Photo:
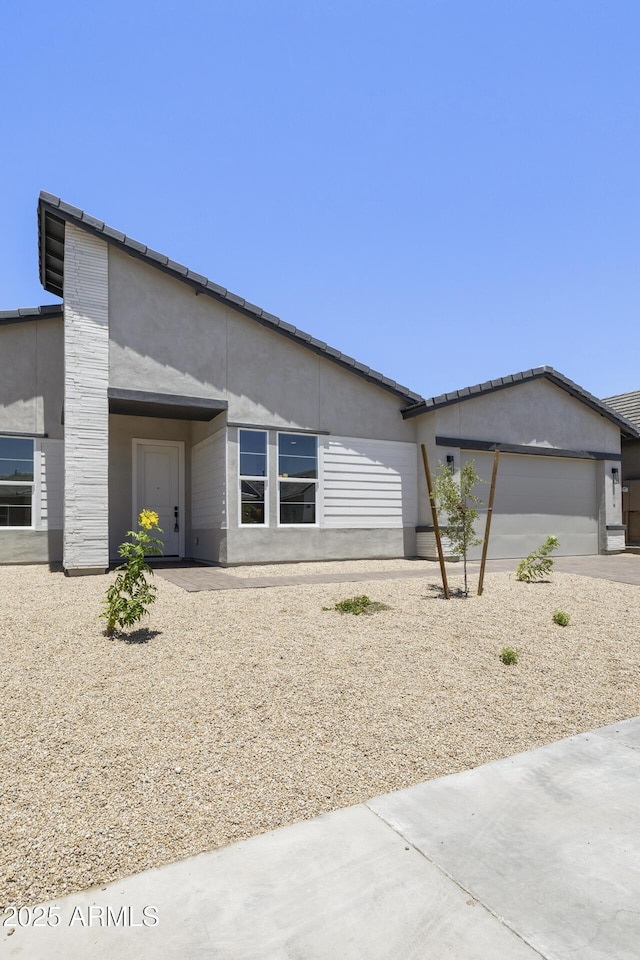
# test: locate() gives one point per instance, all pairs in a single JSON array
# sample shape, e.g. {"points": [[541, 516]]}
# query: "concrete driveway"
{"points": [[535, 856]]}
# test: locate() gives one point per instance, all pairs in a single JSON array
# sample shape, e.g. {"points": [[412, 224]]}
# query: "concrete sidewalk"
{"points": [[536, 856]]}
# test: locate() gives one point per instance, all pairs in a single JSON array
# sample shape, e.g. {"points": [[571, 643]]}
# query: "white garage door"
{"points": [[535, 497]]}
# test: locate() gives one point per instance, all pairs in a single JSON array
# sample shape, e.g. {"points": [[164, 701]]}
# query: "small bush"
{"points": [[358, 605], [131, 593], [509, 656], [561, 618], [539, 563]]}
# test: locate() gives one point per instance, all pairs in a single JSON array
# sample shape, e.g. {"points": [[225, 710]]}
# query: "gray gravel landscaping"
{"points": [[245, 710]]}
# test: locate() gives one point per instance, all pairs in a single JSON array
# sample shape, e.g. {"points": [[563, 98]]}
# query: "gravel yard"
{"points": [[250, 709]]}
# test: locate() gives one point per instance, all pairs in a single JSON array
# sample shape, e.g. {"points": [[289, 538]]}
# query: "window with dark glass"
{"points": [[297, 477], [253, 476], [16, 482]]}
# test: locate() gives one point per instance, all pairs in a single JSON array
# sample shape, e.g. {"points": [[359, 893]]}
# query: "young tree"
{"points": [[458, 502]]}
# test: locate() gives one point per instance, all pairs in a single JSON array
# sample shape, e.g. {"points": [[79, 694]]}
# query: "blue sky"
{"points": [[448, 191]]}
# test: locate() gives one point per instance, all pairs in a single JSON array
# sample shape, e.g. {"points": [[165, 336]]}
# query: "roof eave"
{"points": [[50, 205], [627, 428]]}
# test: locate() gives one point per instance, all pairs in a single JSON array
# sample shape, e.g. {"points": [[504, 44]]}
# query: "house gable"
{"points": [[54, 213], [167, 338], [517, 379], [536, 413]]}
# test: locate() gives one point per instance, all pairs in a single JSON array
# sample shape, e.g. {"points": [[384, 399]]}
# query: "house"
{"points": [[151, 386], [628, 406]]}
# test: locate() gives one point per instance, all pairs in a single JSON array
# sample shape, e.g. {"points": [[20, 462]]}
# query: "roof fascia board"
{"points": [[525, 449], [201, 285]]}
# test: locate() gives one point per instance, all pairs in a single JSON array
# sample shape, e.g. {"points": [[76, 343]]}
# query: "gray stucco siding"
{"points": [[535, 412], [164, 338], [32, 377], [269, 545], [30, 546]]}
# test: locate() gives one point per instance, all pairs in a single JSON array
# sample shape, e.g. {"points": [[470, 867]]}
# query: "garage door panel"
{"points": [[539, 525], [521, 465], [516, 546], [539, 496], [538, 503]]}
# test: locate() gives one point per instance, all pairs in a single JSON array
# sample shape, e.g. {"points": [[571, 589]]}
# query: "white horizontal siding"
{"points": [[49, 486], [368, 483], [208, 483]]}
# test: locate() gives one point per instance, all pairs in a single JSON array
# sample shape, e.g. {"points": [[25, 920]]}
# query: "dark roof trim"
{"points": [[24, 314], [258, 426], [142, 403], [23, 433], [53, 213], [492, 386], [523, 448]]}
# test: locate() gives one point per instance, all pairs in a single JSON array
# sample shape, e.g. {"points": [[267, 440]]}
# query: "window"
{"points": [[16, 482], [297, 478], [253, 477]]}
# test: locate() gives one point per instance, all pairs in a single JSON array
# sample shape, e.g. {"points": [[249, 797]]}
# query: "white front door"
{"points": [[159, 487]]}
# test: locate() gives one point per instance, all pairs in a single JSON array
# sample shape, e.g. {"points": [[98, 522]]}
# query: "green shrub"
{"points": [[509, 656], [539, 563], [131, 593], [455, 498], [358, 605], [561, 618]]}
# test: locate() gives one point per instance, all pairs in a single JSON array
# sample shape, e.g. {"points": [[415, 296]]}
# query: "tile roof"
{"points": [[54, 212], [31, 313], [627, 405], [491, 386]]}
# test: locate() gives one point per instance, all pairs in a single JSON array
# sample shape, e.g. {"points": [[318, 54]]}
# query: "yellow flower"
{"points": [[148, 519]]}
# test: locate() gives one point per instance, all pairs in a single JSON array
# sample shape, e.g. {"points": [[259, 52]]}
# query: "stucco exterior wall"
{"points": [[32, 376], [536, 412], [30, 546], [165, 338]]}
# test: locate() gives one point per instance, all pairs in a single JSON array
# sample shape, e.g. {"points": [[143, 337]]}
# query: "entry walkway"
{"points": [[624, 568], [535, 857]]}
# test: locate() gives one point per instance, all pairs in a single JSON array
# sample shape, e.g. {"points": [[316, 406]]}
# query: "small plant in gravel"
{"points": [[131, 593], [509, 656], [455, 498], [561, 618], [358, 605], [539, 563]]}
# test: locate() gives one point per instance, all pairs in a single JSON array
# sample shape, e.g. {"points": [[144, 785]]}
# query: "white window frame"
{"points": [[315, 480], [265, 480], [23, 483]]}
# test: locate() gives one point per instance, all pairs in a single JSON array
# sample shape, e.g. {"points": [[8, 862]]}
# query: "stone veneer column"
{"points": [[86, 407]]}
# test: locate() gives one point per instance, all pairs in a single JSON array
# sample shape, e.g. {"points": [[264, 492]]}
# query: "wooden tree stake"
{"points": [[485, 545], [436, 525]]}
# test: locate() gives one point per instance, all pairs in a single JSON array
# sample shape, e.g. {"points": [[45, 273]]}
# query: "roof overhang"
{"points": [[27, 314], [168, 406], [54, 213]]}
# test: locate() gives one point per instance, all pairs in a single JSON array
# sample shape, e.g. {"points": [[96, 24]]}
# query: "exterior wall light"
{"points": [[615, 475], [450, 462]]}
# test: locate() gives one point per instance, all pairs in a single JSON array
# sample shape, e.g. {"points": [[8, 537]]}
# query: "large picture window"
{"points": [[16, 482], [297, 478], [254, 474]]}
